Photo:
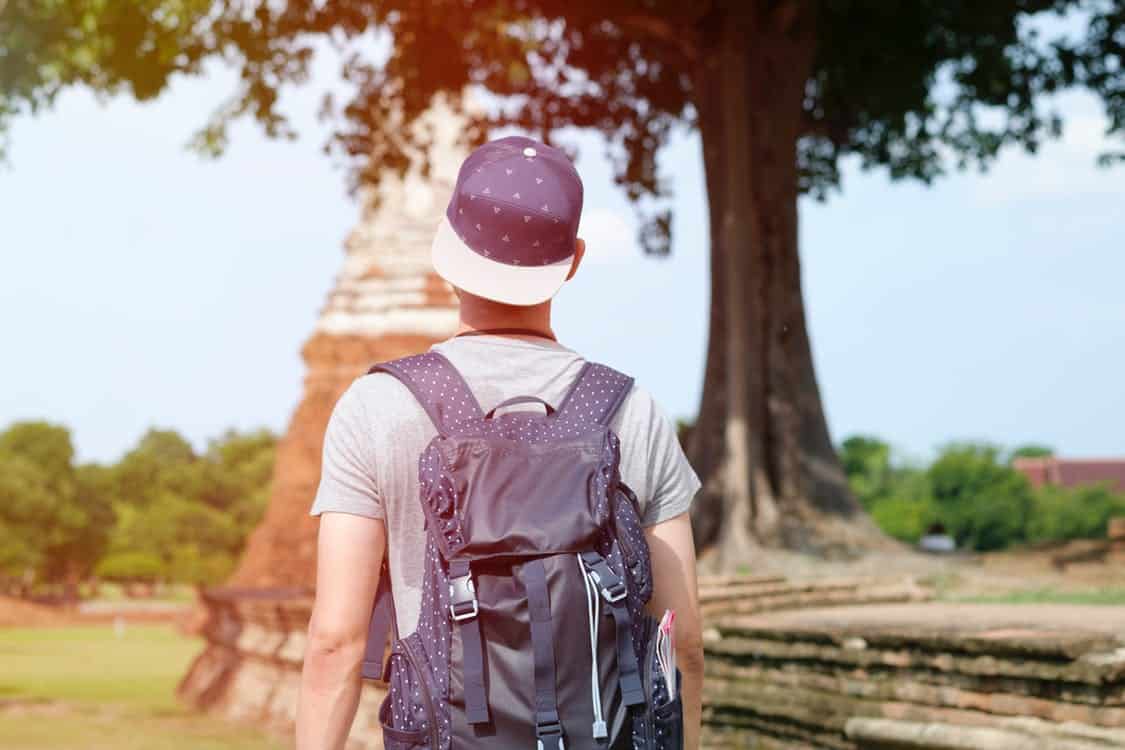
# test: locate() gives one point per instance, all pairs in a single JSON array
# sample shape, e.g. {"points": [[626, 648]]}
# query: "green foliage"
{"points": [[45, 445], [161, 513], [53, 520], [897, 496], [867, 464], [1079, 513], [1033, 450], [908, 86], [903, 518], [983, 503], [979, 499], [192, 513], [128, 567]]}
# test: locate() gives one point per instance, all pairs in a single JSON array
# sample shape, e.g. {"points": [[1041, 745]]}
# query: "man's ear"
{"points": [[579, 251]]}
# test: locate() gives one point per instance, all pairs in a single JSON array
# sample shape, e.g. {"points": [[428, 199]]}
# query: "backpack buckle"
{"points": [[462, 598], [614, 592], [552, 732], [609, 584]]}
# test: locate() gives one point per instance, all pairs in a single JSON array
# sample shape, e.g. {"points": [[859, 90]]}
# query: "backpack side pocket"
{"points": [[631, 538], [663, 719], [407, 713], [668, 719]]}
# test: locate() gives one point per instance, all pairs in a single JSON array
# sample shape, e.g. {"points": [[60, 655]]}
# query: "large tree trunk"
{"points": [[761, 443]]}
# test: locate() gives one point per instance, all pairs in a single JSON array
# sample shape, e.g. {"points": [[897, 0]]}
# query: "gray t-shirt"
{"points": [[378, 430]]}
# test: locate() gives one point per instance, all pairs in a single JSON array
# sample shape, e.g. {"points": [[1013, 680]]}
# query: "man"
{"points": [[506, 256]]}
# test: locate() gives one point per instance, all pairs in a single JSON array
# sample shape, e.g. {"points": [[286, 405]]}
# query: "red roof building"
{"points": [[1071, 472]]}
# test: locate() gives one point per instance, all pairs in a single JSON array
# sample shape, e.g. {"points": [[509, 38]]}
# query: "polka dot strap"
{"points": [[437, 385], [596, 395]]}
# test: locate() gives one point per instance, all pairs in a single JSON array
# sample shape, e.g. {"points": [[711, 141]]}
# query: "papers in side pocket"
{"points": [[666, 651]]}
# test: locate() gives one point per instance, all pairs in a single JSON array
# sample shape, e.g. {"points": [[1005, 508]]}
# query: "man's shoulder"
{"points": [[379, 394], [638, 410]]}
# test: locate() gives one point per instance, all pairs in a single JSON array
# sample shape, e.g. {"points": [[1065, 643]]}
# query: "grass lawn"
{"points": [[83, 688], [1106, 596]]}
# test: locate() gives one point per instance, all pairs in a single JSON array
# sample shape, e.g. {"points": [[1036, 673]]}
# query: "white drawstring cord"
{"points": [[593, 611]]}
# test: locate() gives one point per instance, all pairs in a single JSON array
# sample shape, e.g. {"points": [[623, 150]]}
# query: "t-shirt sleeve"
{"points": [[665, 482], [347, 474]]}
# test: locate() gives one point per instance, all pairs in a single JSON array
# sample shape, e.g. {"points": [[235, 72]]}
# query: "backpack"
{"points": [[532, 632]]}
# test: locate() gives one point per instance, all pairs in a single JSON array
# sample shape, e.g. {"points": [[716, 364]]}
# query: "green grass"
{"points": [[83, 688], [1105, 596]]}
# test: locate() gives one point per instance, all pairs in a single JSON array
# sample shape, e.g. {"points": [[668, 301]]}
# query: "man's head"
{"points": [[510, 233]]}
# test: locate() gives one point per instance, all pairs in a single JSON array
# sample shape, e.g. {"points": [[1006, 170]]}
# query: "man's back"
{"points": [[378, 430], [507, 244]]}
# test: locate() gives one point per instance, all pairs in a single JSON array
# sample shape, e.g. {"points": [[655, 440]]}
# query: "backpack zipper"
{"points": [[424, 689]]}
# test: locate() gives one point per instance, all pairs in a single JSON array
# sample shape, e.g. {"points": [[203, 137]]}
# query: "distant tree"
{"points": [[780, 91], [896, 495], [55, 517], [867, 465], [190, 513], [163, 461], [904, 518], [90, 524], [1060, 513], [26, 506], [47, 446], [130, 567], [236, 473], [1032, 450], [984, 503]]}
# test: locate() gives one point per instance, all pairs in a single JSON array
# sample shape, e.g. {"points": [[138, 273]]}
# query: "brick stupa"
{"points": [[387, 302]]}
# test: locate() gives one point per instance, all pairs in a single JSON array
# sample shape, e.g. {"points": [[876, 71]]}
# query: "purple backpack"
{"points": [[532, 632]]}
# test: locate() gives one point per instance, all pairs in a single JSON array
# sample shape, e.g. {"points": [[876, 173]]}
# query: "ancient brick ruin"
{"points": [[928, 676], [386, 303]]}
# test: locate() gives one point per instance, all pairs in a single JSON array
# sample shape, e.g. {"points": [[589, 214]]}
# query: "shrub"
{"points": [[1059, 513], [903, 518], [984, 503], [127, 567]]}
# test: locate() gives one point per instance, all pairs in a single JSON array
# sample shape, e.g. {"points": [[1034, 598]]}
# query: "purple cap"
{"points": [[509, 231]]}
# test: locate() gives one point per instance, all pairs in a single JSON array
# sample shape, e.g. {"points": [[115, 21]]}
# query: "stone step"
{"points": [[777, 597], [1016, 734]]}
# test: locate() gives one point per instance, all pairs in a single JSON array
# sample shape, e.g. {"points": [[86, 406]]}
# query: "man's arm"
{"points": [[672, 548], [349, 554]]}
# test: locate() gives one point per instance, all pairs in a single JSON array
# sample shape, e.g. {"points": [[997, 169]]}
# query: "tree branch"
{"points": [[661, 29]]}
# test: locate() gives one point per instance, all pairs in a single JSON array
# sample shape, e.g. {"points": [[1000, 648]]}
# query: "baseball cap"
{"points": [[509, 231]]}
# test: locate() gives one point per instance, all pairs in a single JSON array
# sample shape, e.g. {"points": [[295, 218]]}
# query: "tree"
{"points": [[867, 465], [183, 516], [1032, 450], [54, 517], [1081, 512], [985, 504], [780, 91]]}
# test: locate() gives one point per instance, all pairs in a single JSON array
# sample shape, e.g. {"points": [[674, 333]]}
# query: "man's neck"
{"points": [[482, 315]]}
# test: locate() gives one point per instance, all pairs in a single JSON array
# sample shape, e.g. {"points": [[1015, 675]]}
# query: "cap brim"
{"points": [[466, 269]]}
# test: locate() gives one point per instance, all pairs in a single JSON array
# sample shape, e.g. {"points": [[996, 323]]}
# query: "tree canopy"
{"points": [[161, 512], [779, 90], [915, 87]]}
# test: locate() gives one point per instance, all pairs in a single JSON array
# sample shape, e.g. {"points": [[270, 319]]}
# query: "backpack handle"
{"points": [[521, 400]]}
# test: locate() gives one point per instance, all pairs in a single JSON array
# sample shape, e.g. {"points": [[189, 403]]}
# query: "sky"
{"points": [[143, 286]]}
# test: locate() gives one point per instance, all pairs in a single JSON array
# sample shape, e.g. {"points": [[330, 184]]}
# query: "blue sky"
{"points": [[143, 286]]}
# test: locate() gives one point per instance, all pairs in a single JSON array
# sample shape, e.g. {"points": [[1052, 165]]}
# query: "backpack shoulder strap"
{"points": [[446, 397], [595, 396], [381, 625], [437, 385]]}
